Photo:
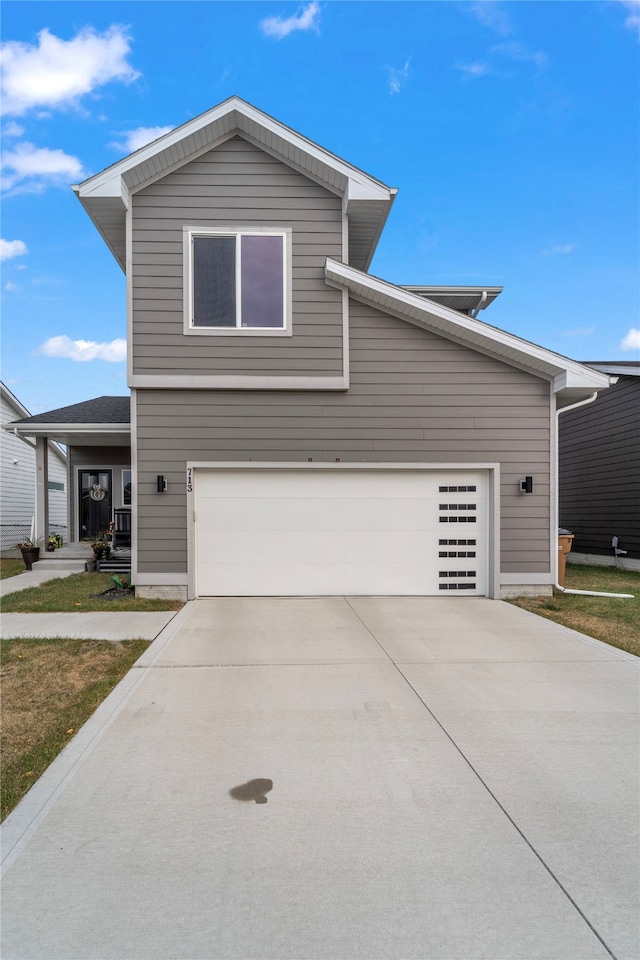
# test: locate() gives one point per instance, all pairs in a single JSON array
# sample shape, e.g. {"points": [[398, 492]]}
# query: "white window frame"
{"points": [[229, 230]]}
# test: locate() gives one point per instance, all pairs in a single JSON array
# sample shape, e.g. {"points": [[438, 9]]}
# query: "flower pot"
{"points": [[50, 547], [30, 555]]}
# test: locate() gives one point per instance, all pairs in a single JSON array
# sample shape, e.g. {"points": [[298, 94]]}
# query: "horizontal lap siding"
{"points": [[600, 470], [484, 411], [235, 184]]}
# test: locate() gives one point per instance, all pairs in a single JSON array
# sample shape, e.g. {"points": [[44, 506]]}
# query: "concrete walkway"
{"points": [[439, 780], [86, 626], [40, 574], [82, 626]]}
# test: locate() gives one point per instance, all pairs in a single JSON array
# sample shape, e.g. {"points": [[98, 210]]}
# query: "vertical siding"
{"points": [[414, 397], [600, 470], [115, 459], [236, 184]]}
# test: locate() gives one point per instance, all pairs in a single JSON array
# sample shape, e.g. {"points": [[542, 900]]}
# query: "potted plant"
{"points": [[51, 543], [101, 547], [30, 552]]}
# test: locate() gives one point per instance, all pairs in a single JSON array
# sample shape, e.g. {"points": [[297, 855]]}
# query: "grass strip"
{"points": [[612, 620], [78, 594], [49, 689]]}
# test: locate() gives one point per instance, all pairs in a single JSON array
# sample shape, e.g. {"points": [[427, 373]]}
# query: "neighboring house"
{"points": [[97, 434], [299, 426], [600, 470], [18, 479]]}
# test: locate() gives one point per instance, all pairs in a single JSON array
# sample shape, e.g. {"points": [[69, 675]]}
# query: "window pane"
{"points": [[126, 487], [214, 281], [262, 281]]}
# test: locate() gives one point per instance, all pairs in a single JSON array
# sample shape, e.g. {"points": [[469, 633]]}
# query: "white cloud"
{"points": [[29, 169], [475, 69], [140, 137], [632, 21], [559, 248], [10, 286], [12, 129], [632, 340], [520, 53], [398, 76], [12, 248], [57, 73], [491, 13], [84, 350], [306, 19]]}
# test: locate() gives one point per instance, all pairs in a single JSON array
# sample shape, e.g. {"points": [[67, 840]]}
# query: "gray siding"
{"points": [[107, 458], [413, 397], [600, 470], [239, 184]]}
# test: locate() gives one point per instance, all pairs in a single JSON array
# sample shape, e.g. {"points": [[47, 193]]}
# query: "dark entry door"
{"points": [[95, 502]]}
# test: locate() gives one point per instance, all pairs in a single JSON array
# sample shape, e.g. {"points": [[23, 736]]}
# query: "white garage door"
{"points": [[324, 532]]}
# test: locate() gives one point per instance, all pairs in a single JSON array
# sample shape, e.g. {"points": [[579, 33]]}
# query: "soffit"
{"points": [[105, 196]]}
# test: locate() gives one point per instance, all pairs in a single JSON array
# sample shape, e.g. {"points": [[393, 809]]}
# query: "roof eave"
{"points": [[569, 378], [106, 195]]}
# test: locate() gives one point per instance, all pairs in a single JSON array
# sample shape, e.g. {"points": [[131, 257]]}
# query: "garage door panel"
{"points": [[291, 532], [270, 513], [315, 579], [323, 546]]}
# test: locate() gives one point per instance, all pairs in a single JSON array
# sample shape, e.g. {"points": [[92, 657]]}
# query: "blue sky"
{"points": [[510, 129]]}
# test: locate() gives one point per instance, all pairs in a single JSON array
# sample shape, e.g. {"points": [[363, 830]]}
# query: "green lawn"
{"points": [[49, 689], [614, 621], [78, 594], [10, 567]]}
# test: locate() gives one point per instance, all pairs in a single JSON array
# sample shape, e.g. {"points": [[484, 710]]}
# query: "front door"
{"points": [[95, 502]]}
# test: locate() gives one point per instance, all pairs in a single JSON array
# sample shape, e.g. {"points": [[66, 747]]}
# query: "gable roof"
{"points": [[105, 421], [571, 380], [106, 196]]}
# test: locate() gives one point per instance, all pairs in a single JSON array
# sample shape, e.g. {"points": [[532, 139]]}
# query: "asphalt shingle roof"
{"points": [[100, 410]]}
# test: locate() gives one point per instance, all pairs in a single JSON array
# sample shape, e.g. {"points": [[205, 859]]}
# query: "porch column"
{"points": [[42, 490]]}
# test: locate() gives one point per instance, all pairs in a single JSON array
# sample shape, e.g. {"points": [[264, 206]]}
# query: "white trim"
{"points": [[492, 470], [232, 382], [129, 291], [554, 480], [107, 183], [522, 579], [134, 483], [161, 580], [189, 233], [190, 481], [33, 429], [567, 374]]}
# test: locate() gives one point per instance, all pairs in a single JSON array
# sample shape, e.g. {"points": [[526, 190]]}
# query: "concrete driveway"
{"points": [[450, 779]]}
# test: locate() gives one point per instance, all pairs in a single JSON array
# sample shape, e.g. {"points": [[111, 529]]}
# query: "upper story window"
{"points": [[238, 281]]}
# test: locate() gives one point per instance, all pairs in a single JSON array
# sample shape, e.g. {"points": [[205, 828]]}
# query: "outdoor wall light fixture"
{"points": [[161, 483], [526, 485]]}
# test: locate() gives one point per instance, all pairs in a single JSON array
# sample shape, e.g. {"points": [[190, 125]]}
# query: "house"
{"points": [[298, 425], [18, 479], [600, 470]]}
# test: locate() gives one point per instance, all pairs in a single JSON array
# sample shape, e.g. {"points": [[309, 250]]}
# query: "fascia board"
{"points": [[575, 376], [566, 373], [43, 429], [107, 183]]}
